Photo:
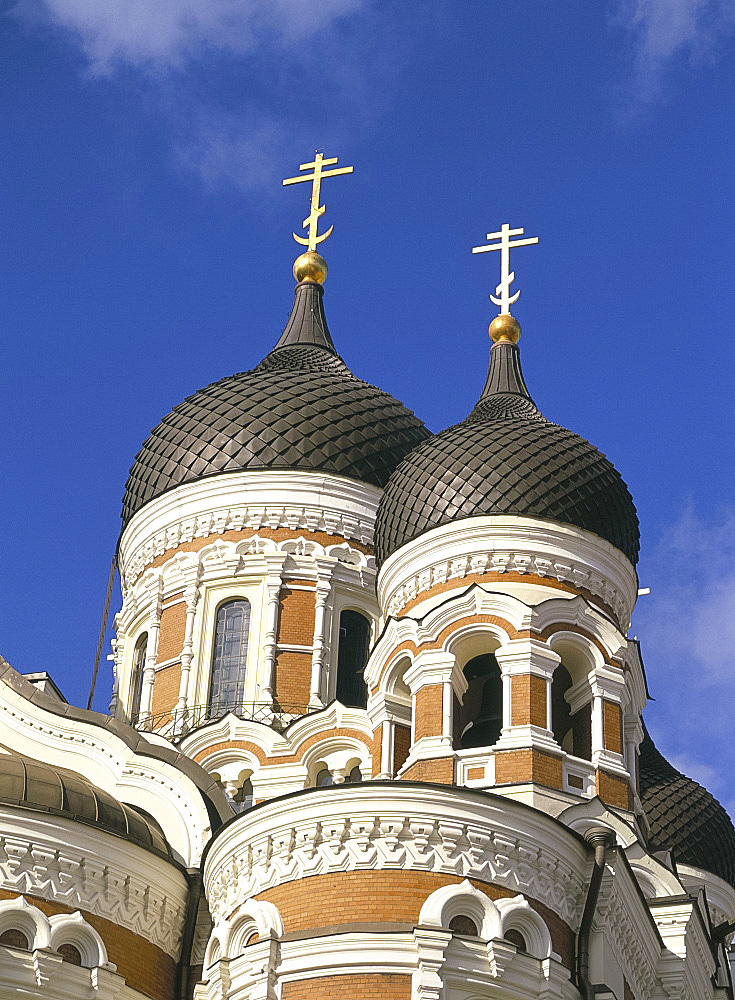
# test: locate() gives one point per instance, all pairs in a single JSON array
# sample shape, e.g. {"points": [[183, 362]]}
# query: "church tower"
{"points": [[376, 727]]}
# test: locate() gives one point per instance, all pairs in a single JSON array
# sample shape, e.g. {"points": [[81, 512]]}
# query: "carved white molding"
{"points": [[247, 559], [239, 501], [621, 916], [95, 872], [496, 544], [96, 752], [401, 827]]}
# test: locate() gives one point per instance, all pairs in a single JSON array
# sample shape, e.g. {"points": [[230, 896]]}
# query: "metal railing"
{"points": [[178, 723]]}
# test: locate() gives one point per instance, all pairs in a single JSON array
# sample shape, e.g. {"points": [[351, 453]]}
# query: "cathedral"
{"points": [[376, 727]]}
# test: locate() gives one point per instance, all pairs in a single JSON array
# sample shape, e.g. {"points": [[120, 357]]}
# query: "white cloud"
{"points": [[690, 615], [192, 59], [687, 632], [158, 35], [664, 30]]}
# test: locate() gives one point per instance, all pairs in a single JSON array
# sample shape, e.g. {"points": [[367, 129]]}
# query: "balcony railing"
{"points": [[178, 723]]}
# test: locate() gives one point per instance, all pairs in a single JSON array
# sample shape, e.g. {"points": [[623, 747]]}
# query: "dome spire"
{"points": [[311, 266]]}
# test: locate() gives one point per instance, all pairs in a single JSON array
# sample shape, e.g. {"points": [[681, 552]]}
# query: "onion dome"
{"points": [[29, 784], [684, 817], [300, 408], [506, 458]]}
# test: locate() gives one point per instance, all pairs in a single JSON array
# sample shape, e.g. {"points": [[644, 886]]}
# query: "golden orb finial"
{"points": [[505, 329], [310, 266]]}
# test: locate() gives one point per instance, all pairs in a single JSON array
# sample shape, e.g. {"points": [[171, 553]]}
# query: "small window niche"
{"points": [[352, 655]]}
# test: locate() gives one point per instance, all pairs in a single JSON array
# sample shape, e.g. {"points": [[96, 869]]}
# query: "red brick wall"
{"points": [[166, 689], [173, 629], [296, 616], [386, 986], [439, 771], [613, 726], [612, 790], [401, 746], [429, 720], [293, 679], [527, 700], [516, 766]]}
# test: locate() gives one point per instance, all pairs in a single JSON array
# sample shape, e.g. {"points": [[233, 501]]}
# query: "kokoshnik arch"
{"points": [[376, 726]]}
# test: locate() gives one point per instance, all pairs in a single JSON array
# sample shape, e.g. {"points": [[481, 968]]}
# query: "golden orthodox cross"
{"points": [[506, 300], [311, 222]]}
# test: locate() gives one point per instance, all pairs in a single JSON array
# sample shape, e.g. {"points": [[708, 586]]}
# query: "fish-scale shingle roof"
{"points": [[300, 408], [506, 458], [684, 817]]}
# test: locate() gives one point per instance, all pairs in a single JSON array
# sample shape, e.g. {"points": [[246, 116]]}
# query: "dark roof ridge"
{"points": [[307, 323]]}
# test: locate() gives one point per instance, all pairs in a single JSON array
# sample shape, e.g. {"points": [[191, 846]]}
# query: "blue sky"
{"points": [[146, 251]]}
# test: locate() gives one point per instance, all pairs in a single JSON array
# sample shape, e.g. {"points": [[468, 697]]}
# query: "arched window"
{"points": [[355, 775], [136, 677], [242, 800], [515, 937], [354, 646], [462, 924], [70, 953], [227, 687], [573, 733], [13, 938], [324, 778], [482, 704], [561, 713]]}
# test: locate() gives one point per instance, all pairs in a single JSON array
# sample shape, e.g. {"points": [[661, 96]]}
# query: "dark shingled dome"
{"points": [[300, 408], [684, 817], [506, 458], [30, 784]]}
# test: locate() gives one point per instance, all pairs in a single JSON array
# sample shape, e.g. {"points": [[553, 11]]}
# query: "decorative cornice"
{"points": [[90, 870], [298, 501], [403, 826], [495, 544]]}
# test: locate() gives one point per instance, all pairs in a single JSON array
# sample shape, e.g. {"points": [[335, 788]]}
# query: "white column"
{"points": [[505, 676], [519, 658], [387, 749], [447, 713], [323, 590], [598, 737], [191, 596], [273, 590], [433, 668], [149, 671]]}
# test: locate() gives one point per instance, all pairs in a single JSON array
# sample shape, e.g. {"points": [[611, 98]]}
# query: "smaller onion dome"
{"points": [[506, 458], [684, 817], [300, 408], [29, 784]]}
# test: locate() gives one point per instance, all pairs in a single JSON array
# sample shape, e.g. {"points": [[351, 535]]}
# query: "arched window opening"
{"points": [[561, 713], [70, 953], [354, 646], [481, 718], [515, 937], [136, 678], [242, 800], [227, 687], [324, 778], [462, 924], [14, 938], [355, 775], [573, 732]]}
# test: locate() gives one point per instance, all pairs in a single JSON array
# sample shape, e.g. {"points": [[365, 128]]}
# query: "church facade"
{"points": [[376, 726]]}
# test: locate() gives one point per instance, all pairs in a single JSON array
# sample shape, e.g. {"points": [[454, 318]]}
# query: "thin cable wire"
{"points": [[111, 580]]}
